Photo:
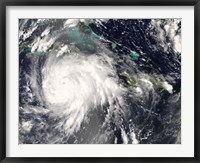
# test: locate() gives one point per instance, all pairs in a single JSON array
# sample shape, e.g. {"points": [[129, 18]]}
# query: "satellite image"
{"points": [[99, 81]]}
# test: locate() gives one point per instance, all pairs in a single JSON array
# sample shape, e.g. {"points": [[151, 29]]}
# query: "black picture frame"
{"points": [[5, 3]]}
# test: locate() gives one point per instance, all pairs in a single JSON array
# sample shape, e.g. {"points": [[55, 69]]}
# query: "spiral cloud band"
{"points": [[77, 83]]}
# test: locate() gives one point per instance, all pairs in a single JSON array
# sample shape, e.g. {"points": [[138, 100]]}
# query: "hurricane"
{"points": [[99, 81], [76, 84]]}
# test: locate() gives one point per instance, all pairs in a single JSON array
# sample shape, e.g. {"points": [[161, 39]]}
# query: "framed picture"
{"points": [[100, 81]]}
